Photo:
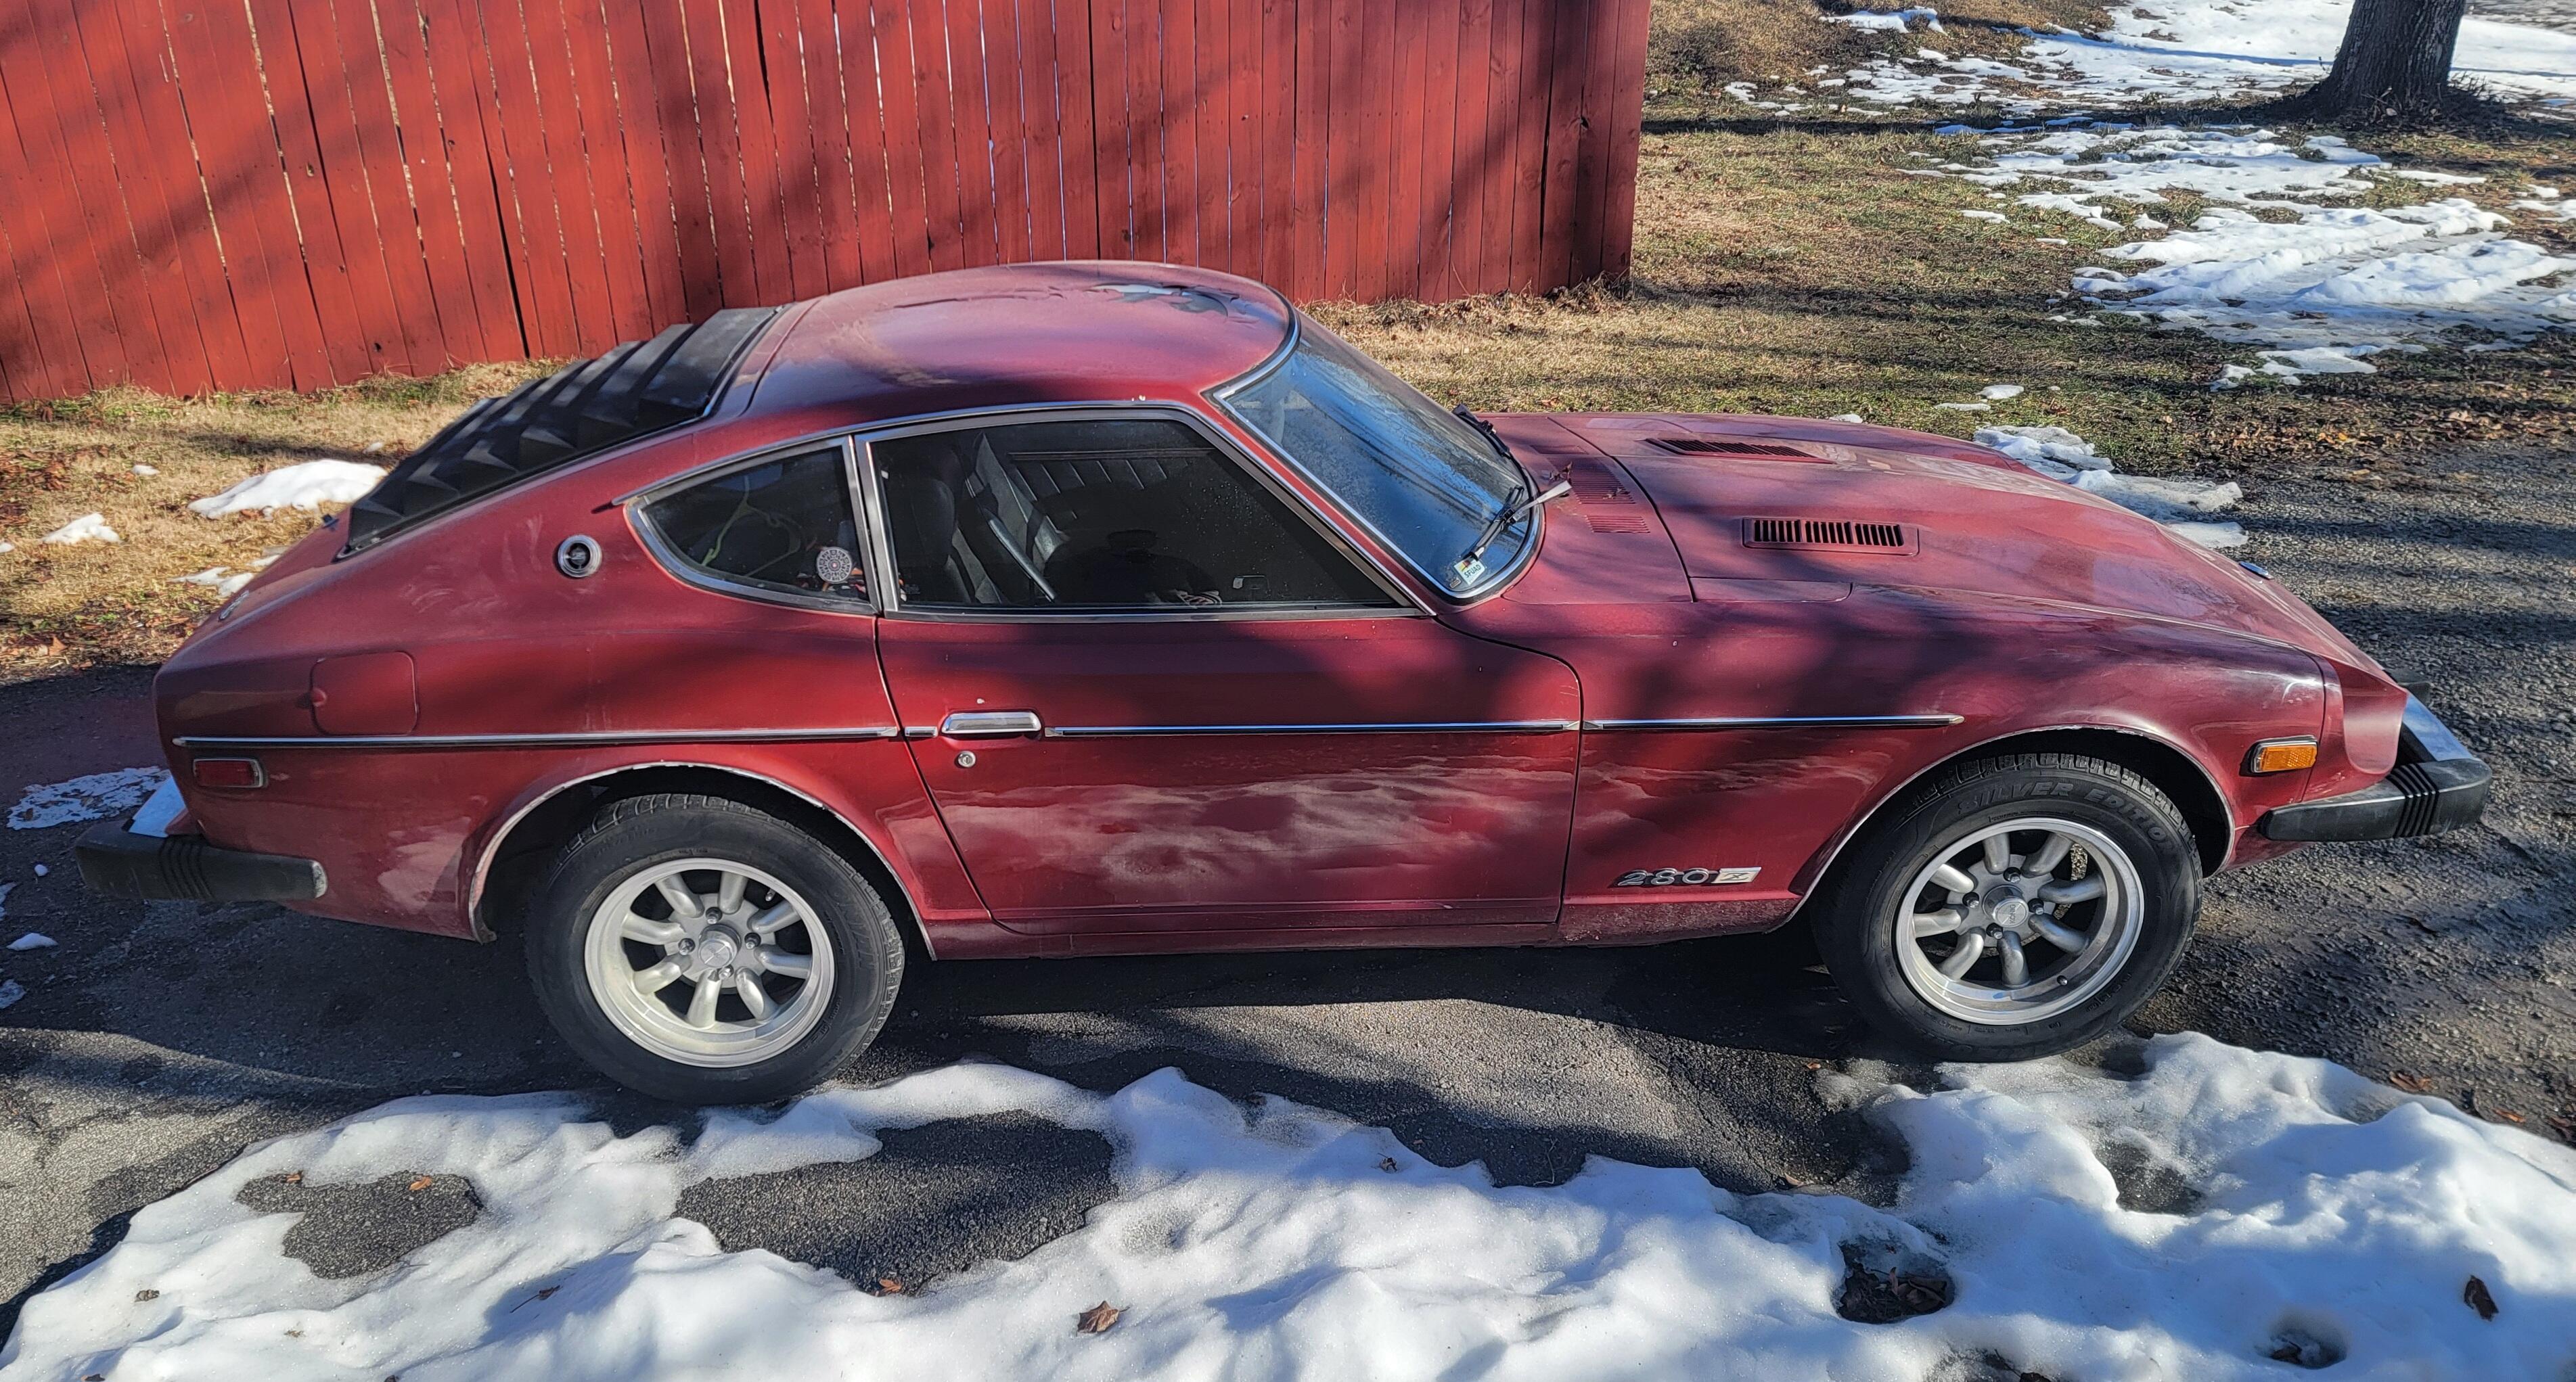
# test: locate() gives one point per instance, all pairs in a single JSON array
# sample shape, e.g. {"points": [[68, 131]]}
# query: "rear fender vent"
{"points": [[1829, 535], [1751, 450]]}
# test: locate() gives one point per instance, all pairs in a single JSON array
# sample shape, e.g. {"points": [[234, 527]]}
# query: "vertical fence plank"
{"points": [[870, 178], [46, 362], [238, 153], [294, 192], [1077, 78], [791, 125], [137, 174]]}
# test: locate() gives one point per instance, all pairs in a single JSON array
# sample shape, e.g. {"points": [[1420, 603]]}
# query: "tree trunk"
{"points": [[2395, 64]]}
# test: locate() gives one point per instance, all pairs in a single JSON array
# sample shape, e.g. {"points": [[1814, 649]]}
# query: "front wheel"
{"points": [[699, 951], [2017, 907]]}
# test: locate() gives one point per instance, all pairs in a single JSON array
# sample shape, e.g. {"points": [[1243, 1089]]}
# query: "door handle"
{"points": [[991, 724]]}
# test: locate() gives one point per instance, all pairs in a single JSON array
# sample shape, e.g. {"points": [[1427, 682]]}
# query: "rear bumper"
{"points": [[2437, 785], [118, 862]]}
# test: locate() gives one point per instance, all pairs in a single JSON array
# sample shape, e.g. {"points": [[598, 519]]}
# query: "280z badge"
{"points": [[1684, 878]]}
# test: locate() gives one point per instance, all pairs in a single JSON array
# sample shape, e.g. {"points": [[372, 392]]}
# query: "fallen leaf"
{"points": [[2508, 1115], [147, 1293], [293, 1178], [543, 1293], [2411, 1083], [1386, 1163], [295, 1333], [419, 1183], [888, 1286], [2477, 1297], [1097, 1319], [2565, 1127]]}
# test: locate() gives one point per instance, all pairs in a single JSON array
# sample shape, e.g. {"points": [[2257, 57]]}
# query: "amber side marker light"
{"points": [[230, 772], [2281, 756]]}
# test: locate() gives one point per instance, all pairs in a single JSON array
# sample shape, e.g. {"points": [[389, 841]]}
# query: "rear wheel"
{"points": [[699, 951], [2017, 907]]}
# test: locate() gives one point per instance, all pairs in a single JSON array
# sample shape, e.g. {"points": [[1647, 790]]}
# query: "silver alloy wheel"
{"points": [[2018, 922], [708, 962]]}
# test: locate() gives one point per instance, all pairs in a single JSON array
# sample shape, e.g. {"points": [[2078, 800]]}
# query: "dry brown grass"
{"points": [[1700, 45], [69, 606]]}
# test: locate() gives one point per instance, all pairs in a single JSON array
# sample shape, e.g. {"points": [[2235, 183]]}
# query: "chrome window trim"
{"points": [[1715, 722], [1422, 727], [670, 559], [880, 541], [1474, 594], [588, 738]]}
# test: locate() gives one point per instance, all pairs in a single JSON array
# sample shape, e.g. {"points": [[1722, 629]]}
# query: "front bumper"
{"points": [[143, 861], [2437, 785]]}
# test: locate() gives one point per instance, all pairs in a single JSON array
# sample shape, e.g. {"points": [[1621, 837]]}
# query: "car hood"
{"points": [[1960, 518]]}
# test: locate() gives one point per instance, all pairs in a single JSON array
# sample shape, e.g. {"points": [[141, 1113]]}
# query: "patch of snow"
{"points": [[2562, 210], [304, 485], [2295, 1200], [1997, 393], [2434, 179], [1894, 21], [1844, 417], [8, 547], [84, 798], [41, 870], [231, 585], [212, 575], [2194, 51], [2182, 505], [5, 889], [33, 940], [10, 992], [87, 527], [1966, 407], [1995, 216], [147, 470]]}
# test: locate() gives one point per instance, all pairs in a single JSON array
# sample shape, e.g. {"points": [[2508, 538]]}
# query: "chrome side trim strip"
{"points": [[1783, 722], [511, 741], [1422, 727]]}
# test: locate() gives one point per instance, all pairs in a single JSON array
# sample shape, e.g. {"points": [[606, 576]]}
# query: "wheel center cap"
{"points": [[2012, 913], [716, 948]]}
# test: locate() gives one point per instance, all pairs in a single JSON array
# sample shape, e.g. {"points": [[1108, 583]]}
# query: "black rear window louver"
{"points": [[584, 408]]}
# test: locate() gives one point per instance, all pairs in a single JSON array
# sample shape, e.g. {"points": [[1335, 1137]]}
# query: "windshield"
{"points": [[1419, 477]]}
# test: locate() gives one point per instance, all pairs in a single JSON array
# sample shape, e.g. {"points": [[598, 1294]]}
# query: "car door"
{"points": [[1150, 693]]}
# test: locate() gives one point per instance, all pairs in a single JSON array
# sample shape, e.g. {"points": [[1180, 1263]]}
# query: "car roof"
{"points": [[1088, 331]]}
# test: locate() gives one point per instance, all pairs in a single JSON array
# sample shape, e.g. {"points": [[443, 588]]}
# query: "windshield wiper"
{"points": [[1501, 447], [1471, 566]]}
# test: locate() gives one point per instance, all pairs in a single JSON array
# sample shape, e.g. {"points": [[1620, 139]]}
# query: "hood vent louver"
{"points": [[1829, 535], [1752, 450]]}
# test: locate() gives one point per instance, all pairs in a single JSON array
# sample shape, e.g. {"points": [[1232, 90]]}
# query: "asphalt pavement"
{"points": [[157, 1040]]}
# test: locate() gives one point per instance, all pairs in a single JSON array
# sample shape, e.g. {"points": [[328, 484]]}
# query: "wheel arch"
{"points": [[516, 857], [2185, 780]]}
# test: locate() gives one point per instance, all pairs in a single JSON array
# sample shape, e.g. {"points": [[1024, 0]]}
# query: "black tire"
{"points": [[1856, 918], [636, 834]]}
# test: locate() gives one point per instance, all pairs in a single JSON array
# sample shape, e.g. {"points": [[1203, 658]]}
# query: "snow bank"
{"points": [[86, 528], [90, 798], [2314, 293], [1895, 21], [2183, 505], [304, 485], [2192, 1221], [2190, 51], [33, 940]]}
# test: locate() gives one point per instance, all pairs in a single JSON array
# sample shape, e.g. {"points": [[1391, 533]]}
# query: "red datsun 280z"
{"points": [[1101, 608]]}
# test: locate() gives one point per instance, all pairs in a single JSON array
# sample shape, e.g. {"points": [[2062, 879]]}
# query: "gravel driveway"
{"points": [[157, 1040]]}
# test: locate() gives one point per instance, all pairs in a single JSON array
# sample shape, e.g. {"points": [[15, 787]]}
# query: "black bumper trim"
{"points": [[2423, 795], [119, 863]]}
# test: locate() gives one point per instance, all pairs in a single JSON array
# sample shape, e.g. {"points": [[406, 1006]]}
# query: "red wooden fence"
{"points": [[234, 194]]}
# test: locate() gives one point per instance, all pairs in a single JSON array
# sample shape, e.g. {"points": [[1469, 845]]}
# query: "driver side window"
{"points": [[1097, 514]]}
